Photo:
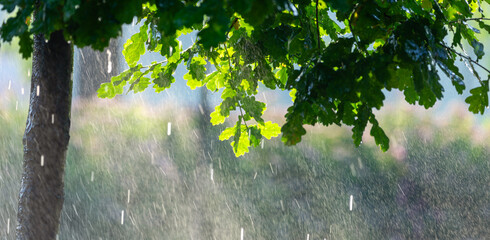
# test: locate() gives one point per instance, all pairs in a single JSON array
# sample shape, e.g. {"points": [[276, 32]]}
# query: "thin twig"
{"points": [[466, 57], [317, 26], [352, 30], [471, 19]]}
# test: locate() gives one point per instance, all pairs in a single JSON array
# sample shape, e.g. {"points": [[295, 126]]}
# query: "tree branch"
{"points": [[470, 19], [317, 26], [466, 57]]}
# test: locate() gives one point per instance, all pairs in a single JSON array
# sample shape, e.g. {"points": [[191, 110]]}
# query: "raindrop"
{"points": [[99, 19], [353, 169], [8, 225], [308, 236], [401, 190], [109, 63], [75, 209], [10, 84], [169, 128], [212, 174], [255, 175], [42, 160], [28, 73], [77, 6], [262, 144], [38, 90], [129, 194], [52, 118], [200, 109], [122, 217], [351, 201], [22, 91], [16, 105], [46, 41], [241, 234], [282, 205], [92, 176]]}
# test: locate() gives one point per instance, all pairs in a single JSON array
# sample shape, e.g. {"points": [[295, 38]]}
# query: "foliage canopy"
{"points": [[335, 57]]}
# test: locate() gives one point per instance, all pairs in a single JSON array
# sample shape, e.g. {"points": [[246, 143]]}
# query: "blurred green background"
{"points": [[432, 184]]}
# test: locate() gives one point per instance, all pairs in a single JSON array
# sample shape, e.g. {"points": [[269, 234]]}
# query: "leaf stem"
{"points": [[153, 64], [243, 116]]}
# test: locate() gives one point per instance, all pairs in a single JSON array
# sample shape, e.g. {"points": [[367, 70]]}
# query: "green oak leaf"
{"points": [[379, 135], [269, 129], [216, 117], [479, 98], [227, 133], [477, 48], [241, 141], [197, 72], [135, 46]]}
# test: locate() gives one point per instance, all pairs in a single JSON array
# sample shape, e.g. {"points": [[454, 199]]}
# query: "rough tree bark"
{"points": [[46, 139]]}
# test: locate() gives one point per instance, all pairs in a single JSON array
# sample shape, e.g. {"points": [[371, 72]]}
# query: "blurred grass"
{"points": [[432, 183]]}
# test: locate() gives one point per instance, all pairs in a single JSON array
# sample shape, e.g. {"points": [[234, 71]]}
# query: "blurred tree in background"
{"points": [[95, 67]]}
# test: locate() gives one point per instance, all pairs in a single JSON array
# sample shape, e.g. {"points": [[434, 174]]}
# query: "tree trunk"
{"points": [[46, 139]]}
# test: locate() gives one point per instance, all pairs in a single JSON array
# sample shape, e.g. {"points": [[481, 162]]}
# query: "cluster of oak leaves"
{"points": [[335, 58]]}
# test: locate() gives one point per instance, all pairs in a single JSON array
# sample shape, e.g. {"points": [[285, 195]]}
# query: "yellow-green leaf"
{"points": [[216, 117], [269, 129]]}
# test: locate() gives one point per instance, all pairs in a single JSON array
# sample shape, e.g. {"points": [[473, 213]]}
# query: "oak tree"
{"points": [[335, 57]]}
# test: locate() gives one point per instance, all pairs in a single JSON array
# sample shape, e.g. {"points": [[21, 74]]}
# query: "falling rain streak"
{"points": [[122, 217], [129, 194], [38, 90], [308, 236], [92, 176], [42, 160], [109, 62], [351, 201], [52, 118], [10, 84], [201, 109], [169, 128], [241, 234], [22, 91], [8, 225]]}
